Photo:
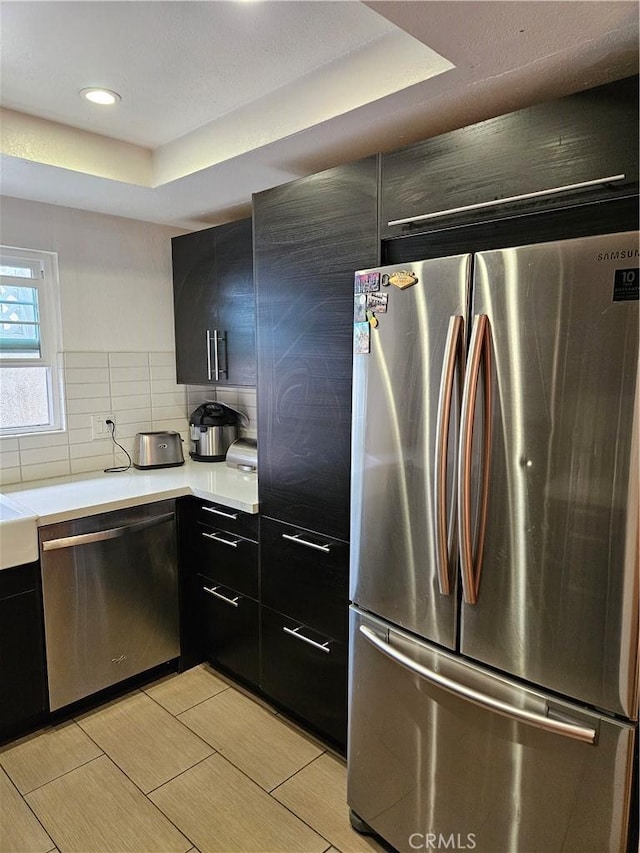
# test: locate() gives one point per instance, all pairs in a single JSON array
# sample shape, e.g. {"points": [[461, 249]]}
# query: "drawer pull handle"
{"points": [[294, 632], [232, 515], [222, 541], [296, 538], [494, 202], [213, 591]]}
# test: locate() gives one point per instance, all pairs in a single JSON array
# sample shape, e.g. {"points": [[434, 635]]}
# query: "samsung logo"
{"points": [[619, 255]]}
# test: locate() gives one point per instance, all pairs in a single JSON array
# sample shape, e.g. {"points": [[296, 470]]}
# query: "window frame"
{"points": [[47, 284]]}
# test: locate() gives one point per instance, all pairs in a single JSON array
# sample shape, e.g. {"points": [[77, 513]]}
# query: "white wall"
{"points": [[115, 274], [118, 339]]}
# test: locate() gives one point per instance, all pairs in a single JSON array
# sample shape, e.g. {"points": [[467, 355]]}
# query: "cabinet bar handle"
{"points": [[216, 358], [213, 591], [495, 202], [296, 538], [225, 369], [208, 355], [232, 515], [222, 541], [294, 632]]}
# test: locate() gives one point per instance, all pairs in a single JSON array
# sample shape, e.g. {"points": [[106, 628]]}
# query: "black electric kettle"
{"points": [[212, 428]]}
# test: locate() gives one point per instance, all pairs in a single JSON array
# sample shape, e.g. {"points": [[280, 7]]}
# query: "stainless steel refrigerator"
{"points": [[493, 682]]}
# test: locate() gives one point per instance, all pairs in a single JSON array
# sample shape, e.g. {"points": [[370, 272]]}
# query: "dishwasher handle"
{"points": [[103, 535]]}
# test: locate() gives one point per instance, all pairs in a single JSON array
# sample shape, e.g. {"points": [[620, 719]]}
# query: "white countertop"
{"points": [[60, 499]]}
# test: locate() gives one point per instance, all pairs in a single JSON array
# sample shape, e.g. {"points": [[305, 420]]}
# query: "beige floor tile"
{"points": [[177, 693], [39, 758], [20, 830], [323, 747], [144, 740], [257, 700], [223, 811], [96, 809], [318, 795], [260, 744]]}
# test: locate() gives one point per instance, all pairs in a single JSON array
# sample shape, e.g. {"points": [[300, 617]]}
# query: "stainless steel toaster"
{"points": [[157, 450]]}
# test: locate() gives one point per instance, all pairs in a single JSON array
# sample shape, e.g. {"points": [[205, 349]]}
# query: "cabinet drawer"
{"points": [[228, 559], [306, 576], [305, 672], [225, 518], [230, 628]]}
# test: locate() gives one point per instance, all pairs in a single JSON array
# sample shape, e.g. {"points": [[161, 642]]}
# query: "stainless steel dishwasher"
{"points": [[110, 589]]}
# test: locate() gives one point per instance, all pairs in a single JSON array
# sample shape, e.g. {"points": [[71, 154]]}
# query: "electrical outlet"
{"points": [[99, 427]]}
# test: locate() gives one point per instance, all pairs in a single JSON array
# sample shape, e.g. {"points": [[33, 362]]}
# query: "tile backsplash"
{"points": [[138, 389]]}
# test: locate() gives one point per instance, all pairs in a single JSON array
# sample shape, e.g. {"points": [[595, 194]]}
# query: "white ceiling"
{"points": [[221, 98]]}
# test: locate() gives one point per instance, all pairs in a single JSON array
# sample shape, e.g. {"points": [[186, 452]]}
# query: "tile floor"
{"points": [[187, 764]]}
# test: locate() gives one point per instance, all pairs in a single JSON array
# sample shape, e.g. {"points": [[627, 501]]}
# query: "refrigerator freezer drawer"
{"points": [[442, 748]]}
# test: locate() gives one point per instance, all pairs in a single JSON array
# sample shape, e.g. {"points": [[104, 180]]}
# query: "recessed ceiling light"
{"points": [[105, 97]]}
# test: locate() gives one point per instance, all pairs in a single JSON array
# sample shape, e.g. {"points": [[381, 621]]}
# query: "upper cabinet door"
{"points": [[236, 303], [310, 237], [214, 305], [567, 143], [194, 301]]}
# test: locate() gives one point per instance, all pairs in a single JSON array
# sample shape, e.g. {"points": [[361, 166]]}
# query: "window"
{"points": [[30, 393]]}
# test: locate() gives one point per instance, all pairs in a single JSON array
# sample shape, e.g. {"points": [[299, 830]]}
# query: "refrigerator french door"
{"points": [[495, 534]]}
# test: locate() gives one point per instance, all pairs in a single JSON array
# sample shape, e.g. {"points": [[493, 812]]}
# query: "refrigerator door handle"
{"points": [[453, 354], [586, 734], [479, 355]]}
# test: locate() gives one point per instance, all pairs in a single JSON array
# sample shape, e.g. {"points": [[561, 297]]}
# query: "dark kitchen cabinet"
{"points": [[230, 624], [220, 588], [214, 305], [23, 692], [306, 576], [310, 237], [579, 139], [305, 671]]}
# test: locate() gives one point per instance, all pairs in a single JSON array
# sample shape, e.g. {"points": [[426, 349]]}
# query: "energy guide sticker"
{"points": [[626, 285]]}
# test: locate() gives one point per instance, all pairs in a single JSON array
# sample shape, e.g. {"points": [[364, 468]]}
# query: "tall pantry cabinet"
{"points": [[309, 237]]}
